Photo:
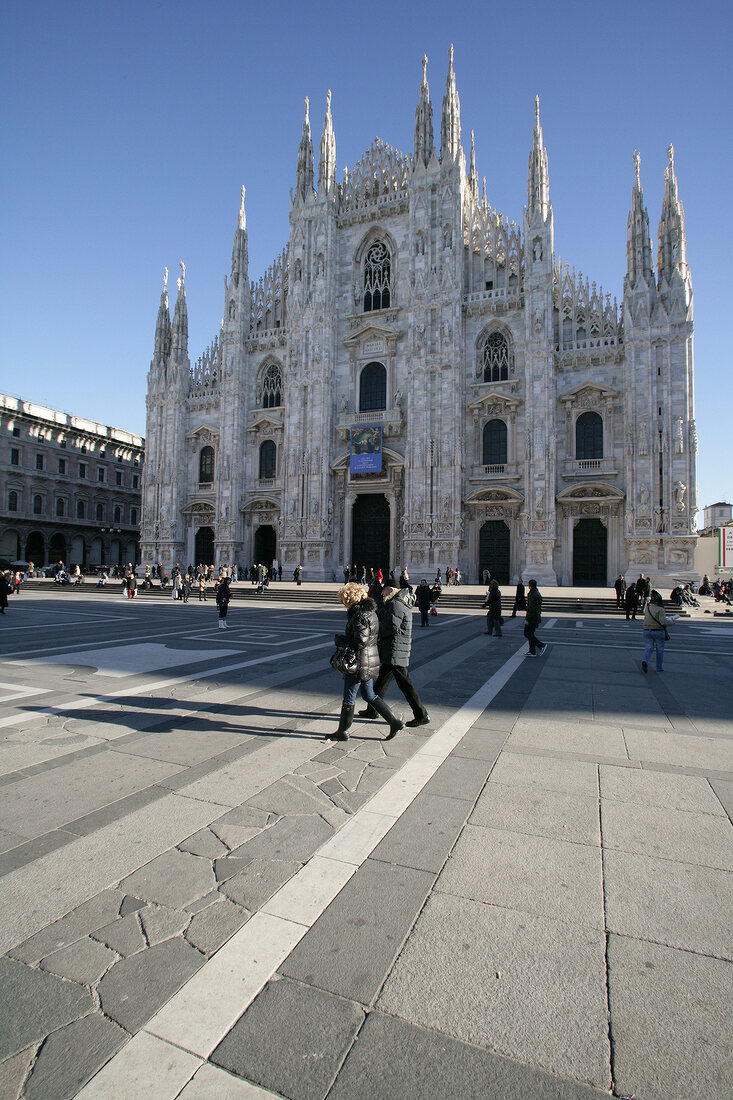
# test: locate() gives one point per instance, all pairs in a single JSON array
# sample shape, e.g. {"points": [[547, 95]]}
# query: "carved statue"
{"points": [[539, 320], [643, 447], [445, 507], [679, 437], [537, 249], [679, 495], [644, 495]]}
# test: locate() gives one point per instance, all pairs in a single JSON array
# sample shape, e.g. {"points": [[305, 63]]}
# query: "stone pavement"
{"points": [[529, 898]]}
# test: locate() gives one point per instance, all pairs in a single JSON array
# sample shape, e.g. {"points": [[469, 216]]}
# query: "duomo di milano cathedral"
{"points": [[519, 420]]}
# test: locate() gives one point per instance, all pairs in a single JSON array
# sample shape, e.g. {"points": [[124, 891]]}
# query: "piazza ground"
{"points": [[531, 897]]}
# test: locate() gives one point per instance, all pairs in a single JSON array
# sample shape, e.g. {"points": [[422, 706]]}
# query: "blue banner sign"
{"points": [[366, 449]]}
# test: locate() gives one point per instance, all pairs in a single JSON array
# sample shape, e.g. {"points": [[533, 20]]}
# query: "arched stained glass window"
{"points": [[268, 459], [272, 387], [495, 443], [206, 465], [373, 388], [589, 436], [377, 276], [496, 357]]}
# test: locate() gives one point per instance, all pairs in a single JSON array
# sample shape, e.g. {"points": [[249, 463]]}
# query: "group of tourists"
{"points": [[632, 597]]}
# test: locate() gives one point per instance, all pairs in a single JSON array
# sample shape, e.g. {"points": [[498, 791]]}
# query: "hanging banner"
{"points": [[366, 449], [725, 547]]}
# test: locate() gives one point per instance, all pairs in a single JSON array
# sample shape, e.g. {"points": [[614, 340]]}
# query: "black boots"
{"points": [[395, 723], [368, 712], [347, 717]]}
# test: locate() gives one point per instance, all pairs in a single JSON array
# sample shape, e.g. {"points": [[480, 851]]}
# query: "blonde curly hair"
{"points": [[351, 593]]}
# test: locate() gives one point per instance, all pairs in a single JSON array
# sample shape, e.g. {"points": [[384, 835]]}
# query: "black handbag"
{"points": [[343, 660]]}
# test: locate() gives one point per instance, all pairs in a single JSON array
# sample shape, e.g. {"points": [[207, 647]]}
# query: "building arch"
{"points": [[206, 465], [270, 384], [373, 387], [495, 443], [268, 459]]}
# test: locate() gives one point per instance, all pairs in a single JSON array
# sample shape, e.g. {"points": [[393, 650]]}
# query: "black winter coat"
{"points": [[362, 631], [495, 603]]}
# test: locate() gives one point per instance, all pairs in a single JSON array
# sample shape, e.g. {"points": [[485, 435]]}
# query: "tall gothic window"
{"points": [[589, 436], [12, 501], [206, 465], [496, 357], [495, 445], [373, 388], [272, 387], [81, 509], [377, 275], [100, 513], [268, 459]]}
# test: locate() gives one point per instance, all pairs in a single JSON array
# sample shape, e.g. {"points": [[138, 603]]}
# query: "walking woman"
{"points": [[493, 615], [362, 632], [223, 596], [532, 619], [655, 631]]}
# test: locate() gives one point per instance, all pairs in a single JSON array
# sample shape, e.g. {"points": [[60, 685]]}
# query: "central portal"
{"points": [[370, 533]]}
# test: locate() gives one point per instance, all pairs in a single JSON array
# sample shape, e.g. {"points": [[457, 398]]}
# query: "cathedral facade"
{"points": [[516, 418]]}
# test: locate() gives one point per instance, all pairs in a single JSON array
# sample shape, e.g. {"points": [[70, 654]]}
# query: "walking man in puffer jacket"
{"points": [[395, 643]]}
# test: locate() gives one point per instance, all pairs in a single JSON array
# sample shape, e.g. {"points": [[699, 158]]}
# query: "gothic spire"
{"points": [[304, 182], [424, 143], [327, 158], [538, 181], [450, 127], [163, 326], [240, 259], [180, 321], [472, 173], [638, 244], [672, 252]]}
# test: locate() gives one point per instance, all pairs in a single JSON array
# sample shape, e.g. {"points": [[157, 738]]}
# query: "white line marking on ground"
{"points": [[549, 624], [204, 1010], [579, 624]]}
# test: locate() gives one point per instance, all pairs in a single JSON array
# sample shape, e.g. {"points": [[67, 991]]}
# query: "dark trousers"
{"points": [[424, 616], [401, 676], [529, 633]]}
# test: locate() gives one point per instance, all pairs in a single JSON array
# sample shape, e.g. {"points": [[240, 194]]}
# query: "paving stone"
{"points": [[650, 788], [227, 867], [294, 838], [536, 874], [70, 1056], [294, 794], [13, 1072], [244, 817], [395, 1059], [676, 904], [336, 816], [521, 985], [701, 839], [233, 836], [35, 1003], [255, 885], [84, 962], [9, 840], [186, 746], [46, 801], [352, 946], [351, 801], [203, 903], [459, 777], [330, 787], [582, 737], [666, 747], [317, 772], [203, 843], [173, 878], [425, 833], [211, 1083], [331, 755], [546, 773], [724, 793], [540, 812], [658, 994], [213, 926], [135, 988], [387, 763], [160, 923], [74, 926], [368, 750], [310, 1030], [372, 780], [131, 905], [480, 744], [123, 935]]}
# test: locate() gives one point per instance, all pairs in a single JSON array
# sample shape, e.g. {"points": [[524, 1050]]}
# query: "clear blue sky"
{"points": [[129, 128]]}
